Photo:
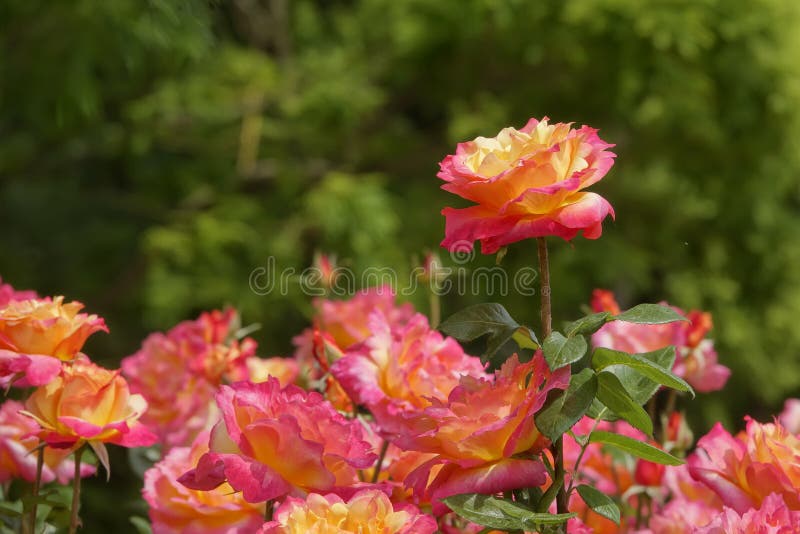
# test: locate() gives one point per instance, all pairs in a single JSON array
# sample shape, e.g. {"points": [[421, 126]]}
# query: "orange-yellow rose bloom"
{"points": [[367, 512], [17, 445], [46, 327], [745, 469], [526, 183], [480, 433], [37, 334], [176, 509], [403, 369], [87, 403], [275, 441]]}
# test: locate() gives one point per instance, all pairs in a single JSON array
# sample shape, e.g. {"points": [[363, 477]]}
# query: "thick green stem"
{"points": [[37, 483], [557, 447], [74, 519]]}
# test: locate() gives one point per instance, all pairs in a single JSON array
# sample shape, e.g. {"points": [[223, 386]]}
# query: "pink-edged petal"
{"points": [[464, 226], [33, 370], [256, 481], [81, 428], [207, 475], [585, 213], [504, 475], [732, 495], [138, 435]]}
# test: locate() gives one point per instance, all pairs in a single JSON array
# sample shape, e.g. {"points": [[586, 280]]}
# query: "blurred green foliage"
{"points": [[154, 152]]}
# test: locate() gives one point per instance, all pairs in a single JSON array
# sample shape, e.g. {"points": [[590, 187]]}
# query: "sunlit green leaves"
{"points": [[634, 447], [588, 324], [611, 360], [615, 397], [650, 314], [560, 351], [599, 502], [499, 513]]}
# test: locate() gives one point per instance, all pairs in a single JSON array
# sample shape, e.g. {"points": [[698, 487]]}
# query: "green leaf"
{"points": [[650, 314], [634, 447], [141, 525], [613, 394], [639, 387], [607, 359], [492, 512], [599, 502], [490, 319], [11, 512], [588, 324], [563, 411], [560, 351], [525, 338]]}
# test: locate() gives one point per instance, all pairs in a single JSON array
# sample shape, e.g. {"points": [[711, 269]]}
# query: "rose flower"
{"points": [[18, 441], [88, 404], [526, 183], [479, 432], [744, 470], [272, 442], [367, 512], [176, 509], [37, 334], [403, 370]]}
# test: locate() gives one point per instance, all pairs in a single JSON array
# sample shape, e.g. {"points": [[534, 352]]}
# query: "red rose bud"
{"points": [[678, 433], [648, 473]]}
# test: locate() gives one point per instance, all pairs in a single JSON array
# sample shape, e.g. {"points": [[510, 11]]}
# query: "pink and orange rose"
{"points": [[480, 432], [347, 321], [36, 335], [17, 444], [745, 469], [178, 373], [526, 183], [176, 509], [366, 512], [87, 403], [403, 370], [272, 442]]}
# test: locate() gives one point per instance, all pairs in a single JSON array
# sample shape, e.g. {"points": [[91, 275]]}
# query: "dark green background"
{"points": [[154, 152]]}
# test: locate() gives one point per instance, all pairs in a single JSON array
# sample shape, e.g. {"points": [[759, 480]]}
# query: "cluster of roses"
{"points": [[437, 424], [748, 483], [743, 484], [378, 417], [75, 402]]}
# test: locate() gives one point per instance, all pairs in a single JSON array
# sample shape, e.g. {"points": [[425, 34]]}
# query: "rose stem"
{"points": [[435, 308], [557, 448], [36, 485], [76, 492], [379, 465]]}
